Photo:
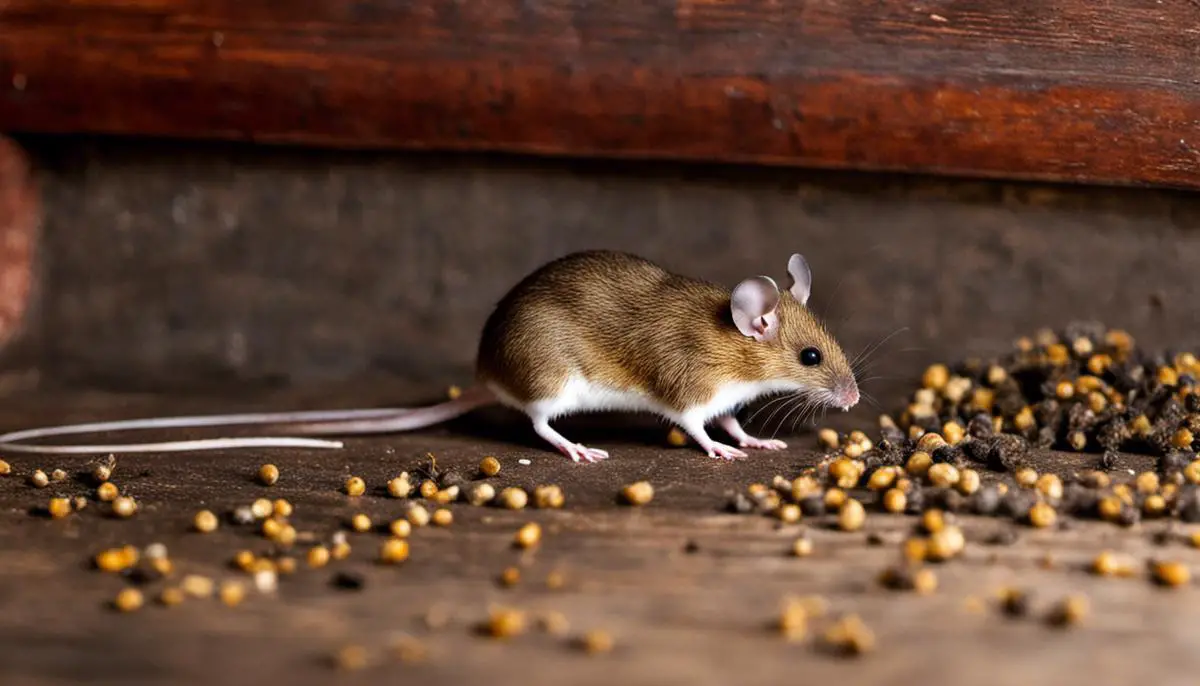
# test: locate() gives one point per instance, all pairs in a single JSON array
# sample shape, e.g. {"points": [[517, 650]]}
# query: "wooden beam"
{"points": [[1082, 90]]}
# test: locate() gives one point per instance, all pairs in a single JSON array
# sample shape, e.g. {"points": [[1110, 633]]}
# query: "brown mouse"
{"points": [[594, 331]]}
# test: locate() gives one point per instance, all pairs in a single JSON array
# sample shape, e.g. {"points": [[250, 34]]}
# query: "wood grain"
{"points": [[694, 618], [1079, 91], [20, 209]]}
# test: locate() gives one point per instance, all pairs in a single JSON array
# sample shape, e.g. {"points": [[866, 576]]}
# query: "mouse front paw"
{"points": [[725, 452], [762, 443]]}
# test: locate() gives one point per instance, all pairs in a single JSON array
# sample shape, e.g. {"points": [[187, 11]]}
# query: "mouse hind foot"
{"points": [[573, 450]]}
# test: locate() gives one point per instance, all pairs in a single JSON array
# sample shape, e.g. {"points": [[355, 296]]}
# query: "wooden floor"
{"points": [[693, 614]]}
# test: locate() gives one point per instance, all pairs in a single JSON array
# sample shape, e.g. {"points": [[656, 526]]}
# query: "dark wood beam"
{"points": [[1080, 90]]}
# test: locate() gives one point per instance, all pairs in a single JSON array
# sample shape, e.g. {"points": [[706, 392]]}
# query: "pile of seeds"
{"points": [[1083, 389]]}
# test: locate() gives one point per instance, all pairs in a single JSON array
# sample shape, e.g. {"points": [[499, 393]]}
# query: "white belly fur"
{"points": [[578, 395]]}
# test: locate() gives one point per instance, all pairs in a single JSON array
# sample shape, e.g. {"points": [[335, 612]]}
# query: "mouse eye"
{"points": [[810, 357]]}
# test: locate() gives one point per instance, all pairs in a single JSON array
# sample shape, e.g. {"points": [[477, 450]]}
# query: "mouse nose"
{"points": [[845, 395]]}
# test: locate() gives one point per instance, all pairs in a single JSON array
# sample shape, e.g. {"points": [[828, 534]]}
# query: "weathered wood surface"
{"points": [[20, 214], [679, 618], [1079, 90]]}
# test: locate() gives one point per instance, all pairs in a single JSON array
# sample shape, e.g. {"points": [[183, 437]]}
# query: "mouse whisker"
{"points": [[805, 403], [870, 349], [769, 403], [786, 400]]}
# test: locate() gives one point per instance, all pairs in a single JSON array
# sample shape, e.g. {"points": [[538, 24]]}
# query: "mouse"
{"points": [[591, 331]]}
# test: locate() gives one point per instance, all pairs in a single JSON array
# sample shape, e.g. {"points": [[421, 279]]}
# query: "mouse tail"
{"points": [[397, 420], [13, 441]]}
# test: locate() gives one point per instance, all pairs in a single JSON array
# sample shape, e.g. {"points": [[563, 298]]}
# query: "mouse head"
{"points": [[789, 341]]}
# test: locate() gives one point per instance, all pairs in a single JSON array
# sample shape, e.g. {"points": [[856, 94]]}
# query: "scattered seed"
{"points": [[262, 508], [417, 515], [124, 506], [428, 489], [360, 523], [59, 507], [1171, 573], [506, 622], [39, 479], [204, 522], [529, 535], [513, 498], [232, 593], [129, 600], [850, 636], [597, 641], [802, 546], [58, 476], [355, 486], [393, 550], [268, 474], [442, 517], [676, 438], [5, 468], [480, 494], [943, 475], [548, 497], [400, 487], [851, 516], [1042, 515], [511, 576], [489, 466], [638, 493], [793, 619], [317, 556], [554, 623], [1069, 611]]}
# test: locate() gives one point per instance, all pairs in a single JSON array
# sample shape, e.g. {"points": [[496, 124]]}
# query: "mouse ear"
{"points": [[753, 306], [801, 286]]}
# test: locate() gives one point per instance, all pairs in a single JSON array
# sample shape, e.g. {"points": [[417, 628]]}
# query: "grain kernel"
{"points": [[360, 523], [789, 513], [1110, 508], [1050, 486], [834, 498], [129, 600], [1042, 515], [943, 475], [171, 596], [895, 501], [399, 487], [417, 515], [851, 516], [638, 493], [513, 498], [954, 433], [676, 438], [919, 463], [59, 507], [442, 517], [828, 439], [124, 507], [197, 586], [511, 576], [554, 623], [1069, 611], [5, 468], [506, 622], [548, 497], [1147, 483], [39, 479], [489, 466], [802, 546], [933, 521], [1171, 573], [1026, 477], [355, 486], [881, 479], [428, 489], [1183, 439], [945, 544], [340, 550], [317, 556], [930, 442], [262, 508], [936, 377], [968, 481], [850, 635], [528, 535], [393, 550], [205, 522], [597, 641], [268, 474], [793, 619], [1108, 563]]}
